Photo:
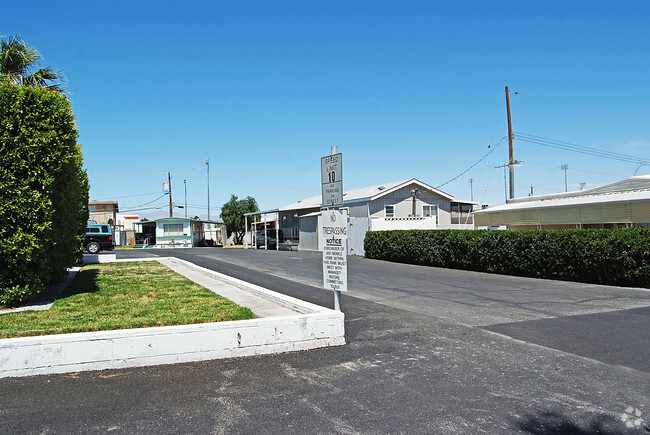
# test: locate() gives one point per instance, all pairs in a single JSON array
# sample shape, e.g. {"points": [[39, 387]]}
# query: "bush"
{"points": [[620, 257], [43, 191]]}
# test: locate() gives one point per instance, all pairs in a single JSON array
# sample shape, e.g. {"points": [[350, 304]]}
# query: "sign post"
{"points": [[334, 226]]}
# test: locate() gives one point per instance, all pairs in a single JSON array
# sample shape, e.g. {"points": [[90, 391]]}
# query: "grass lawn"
{"points": [[124, 295]]}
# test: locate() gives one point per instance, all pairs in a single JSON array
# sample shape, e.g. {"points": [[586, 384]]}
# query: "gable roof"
{"points": [[365, 194]]}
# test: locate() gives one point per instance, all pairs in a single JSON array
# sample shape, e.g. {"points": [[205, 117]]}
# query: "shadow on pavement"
{"points": [[556, 423]]}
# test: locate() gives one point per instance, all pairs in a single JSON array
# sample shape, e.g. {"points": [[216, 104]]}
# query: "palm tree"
{"points": [[17, 59]]}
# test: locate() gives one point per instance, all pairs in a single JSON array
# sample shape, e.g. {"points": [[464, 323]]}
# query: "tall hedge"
{"points": [[620, 257], [43, 191]]}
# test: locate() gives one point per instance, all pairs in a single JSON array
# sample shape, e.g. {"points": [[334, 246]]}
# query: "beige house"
{"points": [[103, 212], [625, 203]]}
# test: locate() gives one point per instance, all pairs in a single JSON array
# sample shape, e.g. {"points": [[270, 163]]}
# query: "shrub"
{"points": [[43, 191], [620, 257]]}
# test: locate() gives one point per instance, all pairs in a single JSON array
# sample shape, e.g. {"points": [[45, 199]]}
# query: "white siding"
{"points": [[403, 202], [309, 233], [358, 210]]}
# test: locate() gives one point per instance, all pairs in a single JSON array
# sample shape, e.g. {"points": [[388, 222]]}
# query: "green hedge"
{"points": [[43, 191], [620, 257]]}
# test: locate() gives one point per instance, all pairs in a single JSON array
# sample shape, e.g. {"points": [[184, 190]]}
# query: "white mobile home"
{"points": [[175, 232], [625, 203], [408, 204]]}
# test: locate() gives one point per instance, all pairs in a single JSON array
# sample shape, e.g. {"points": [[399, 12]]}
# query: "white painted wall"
{"points": [[407, 223], [127, 220], [162, 239], [84, 351]]}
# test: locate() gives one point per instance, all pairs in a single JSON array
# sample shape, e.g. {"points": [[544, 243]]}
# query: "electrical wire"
{"points": [[479, 161], [566, 146], [147, 203], [142, 209]]}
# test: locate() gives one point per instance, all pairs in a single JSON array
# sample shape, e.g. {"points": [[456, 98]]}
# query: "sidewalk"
{"points": [[261, 307], [44, 301]]}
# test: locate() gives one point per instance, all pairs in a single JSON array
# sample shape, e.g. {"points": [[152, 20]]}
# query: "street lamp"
{"points": [[471, 189], [207, 163]]}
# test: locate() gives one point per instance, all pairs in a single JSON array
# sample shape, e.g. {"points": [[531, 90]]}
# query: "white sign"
{"points": [[335, 252], [331, 175]]}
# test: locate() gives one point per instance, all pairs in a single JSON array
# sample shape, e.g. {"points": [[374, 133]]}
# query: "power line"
{"points": [[159, 207], [566, 146], [147, 203], [479, 161], [528, 162]]}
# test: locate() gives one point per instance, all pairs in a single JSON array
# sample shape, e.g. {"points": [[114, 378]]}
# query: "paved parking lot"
{"points": [[429, 351]]}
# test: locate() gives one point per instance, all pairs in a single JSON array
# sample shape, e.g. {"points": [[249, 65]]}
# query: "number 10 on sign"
{"points": [[332, 180]]}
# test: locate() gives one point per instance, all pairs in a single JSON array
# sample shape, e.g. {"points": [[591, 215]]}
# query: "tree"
{"points": [[17, 60], [232, 214]]}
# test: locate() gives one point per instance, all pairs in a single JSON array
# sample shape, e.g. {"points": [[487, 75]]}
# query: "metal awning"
{"points": [[275, 210]]}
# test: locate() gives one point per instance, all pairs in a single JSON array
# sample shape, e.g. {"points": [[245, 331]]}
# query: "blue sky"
{"points": [[405, 89]]}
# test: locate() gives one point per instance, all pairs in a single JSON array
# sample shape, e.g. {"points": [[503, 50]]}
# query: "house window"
{"points": [[389, 211], [430, 210], [173, 229]]}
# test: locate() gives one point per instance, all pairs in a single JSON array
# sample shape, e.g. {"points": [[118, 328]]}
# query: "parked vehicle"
{"points": [[98, 238], [271, 241]]}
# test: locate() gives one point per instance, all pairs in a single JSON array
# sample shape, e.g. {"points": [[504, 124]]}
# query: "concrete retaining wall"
{"points": [[311, 327], [167, 345]]}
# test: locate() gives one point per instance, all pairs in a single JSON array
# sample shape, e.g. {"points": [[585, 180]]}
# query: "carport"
{"points": [[265, 221]]}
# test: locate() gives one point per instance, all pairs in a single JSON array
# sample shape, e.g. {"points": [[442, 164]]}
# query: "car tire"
{"points": [[93, 248]]}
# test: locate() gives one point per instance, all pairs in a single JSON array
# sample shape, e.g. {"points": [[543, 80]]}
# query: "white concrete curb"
{"points": [[312, 327]]}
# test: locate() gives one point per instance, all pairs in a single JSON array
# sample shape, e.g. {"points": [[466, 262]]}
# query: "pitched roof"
{"points": [[364, 194], [631, 189]]}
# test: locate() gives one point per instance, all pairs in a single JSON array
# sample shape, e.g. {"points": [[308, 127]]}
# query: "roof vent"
{"points": [[382, 187]]}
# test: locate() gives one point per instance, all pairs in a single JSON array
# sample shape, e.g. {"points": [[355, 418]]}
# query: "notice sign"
{"points": [[331, 175], [335, 254]]}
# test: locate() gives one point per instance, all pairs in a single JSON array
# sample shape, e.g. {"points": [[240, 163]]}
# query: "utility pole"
{"points": [[185, 183], [511, 161], [169, 177]]}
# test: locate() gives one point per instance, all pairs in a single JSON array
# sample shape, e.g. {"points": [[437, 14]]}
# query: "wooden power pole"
{"points": [[169, 177], [511, 160]]}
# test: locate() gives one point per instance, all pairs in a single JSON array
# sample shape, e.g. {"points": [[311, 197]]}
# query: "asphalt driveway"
{"points": [[429, 351]]}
